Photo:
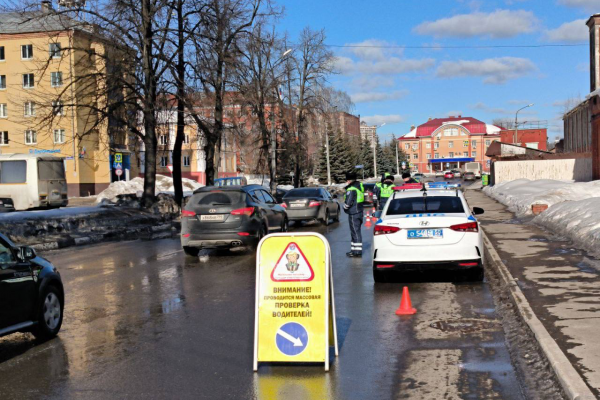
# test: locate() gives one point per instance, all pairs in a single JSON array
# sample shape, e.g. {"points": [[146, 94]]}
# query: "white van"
{"points": [[33, 181], [473, 167]]}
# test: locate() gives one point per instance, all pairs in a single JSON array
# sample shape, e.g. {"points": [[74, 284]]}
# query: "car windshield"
{"points": [[425, 204], [218, 197], [302, 193]]}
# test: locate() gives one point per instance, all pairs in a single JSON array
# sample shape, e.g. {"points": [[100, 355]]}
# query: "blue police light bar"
{"points": [[443, 185]]}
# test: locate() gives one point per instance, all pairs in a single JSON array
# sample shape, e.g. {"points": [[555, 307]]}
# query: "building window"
{"points": [[163, 161], [451, 132], [474, 143], [2, 82], [437, 155], [163, 140], [465, 143], [56, 79], [30, 137], [59, 136], [466, 154], [3, 111], [451, 155], [415, 156], [451, 144], [473, 154], [436, 145], [415, 146], [55, 50], [27, 51], [4, 138], [488, 142], [29, 109], [427, 145], [28, 81], [186, 161], [2, 53], [57, 107], [406, 146], [428, 156], [186, 139]]}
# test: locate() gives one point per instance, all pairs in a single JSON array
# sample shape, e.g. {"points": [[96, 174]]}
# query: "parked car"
{"points": [[369, 189], [6, 204], [448, 175], [32, 297], [469, 176], [427, 231], [311, 204], [279, 195], [231, 181], [228, 217], [456, 173], [439, 173], [418, 177]]}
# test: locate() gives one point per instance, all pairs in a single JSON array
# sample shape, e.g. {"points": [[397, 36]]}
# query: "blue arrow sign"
{"points": [[291, 339]]}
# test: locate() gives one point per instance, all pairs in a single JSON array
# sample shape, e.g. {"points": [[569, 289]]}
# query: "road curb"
{"points": [[571, 382]]}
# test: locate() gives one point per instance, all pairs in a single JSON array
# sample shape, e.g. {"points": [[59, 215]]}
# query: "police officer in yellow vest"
{"points": [[377, 190], [386, 191], [353, 206]]}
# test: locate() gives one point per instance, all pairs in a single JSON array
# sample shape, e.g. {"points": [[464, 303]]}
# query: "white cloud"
{"points": [[519, 102], [497, 24], [343, 65], [368, 83], [500, 110], [454, 113], [380, 119], [591, 5], [369, 97], [374, 50], [574, 31], [388, 66], [493, 70]]}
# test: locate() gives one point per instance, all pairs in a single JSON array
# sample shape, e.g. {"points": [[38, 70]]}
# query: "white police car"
{"points": [[425, 227]]}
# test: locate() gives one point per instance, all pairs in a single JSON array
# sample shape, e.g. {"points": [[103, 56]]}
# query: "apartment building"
{"points": [[41, 108], [368, 132], [445, 143]]}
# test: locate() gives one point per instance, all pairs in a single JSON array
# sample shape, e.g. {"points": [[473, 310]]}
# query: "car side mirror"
{"points": [[27, 253], [377, 214], [478, 210]]}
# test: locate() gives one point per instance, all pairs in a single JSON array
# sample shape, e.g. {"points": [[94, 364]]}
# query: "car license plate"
{"points": [[425, 234], [295, 205], [220, 217]]}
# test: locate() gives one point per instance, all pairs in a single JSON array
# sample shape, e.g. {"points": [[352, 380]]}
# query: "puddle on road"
{"points": [[466, 325]]}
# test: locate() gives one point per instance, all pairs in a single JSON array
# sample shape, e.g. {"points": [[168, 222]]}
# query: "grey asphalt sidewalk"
{"points": [[561, 283]]}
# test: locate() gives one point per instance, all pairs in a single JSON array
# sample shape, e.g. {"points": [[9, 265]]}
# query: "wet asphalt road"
{"points": [[144, 321]]}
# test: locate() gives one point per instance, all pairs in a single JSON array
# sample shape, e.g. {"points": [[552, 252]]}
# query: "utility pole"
{"points": [[516, 138], [397, 163], [327, 150]]}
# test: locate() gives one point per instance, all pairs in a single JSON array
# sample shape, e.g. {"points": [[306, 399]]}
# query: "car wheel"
{"points": [[285, 226], [261, 234], [327, 219], [50, 314], [380, 276], [337, 215], [191, 251]]}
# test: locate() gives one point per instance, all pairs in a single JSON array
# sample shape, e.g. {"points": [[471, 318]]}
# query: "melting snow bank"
{"points": [[572, 207], [519, 195], [164, 184], [576, 220]]}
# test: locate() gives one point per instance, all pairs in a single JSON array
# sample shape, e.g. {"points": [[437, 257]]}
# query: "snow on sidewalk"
{"points": [[164, 184], [572, 207]]}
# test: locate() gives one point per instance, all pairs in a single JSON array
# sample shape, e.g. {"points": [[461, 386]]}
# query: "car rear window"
{"points": [[369, 186], [429, 204], [218, 197], [51, 170], [302, 193]]}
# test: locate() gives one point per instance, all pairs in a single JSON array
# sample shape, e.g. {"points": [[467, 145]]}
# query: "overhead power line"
{"points": [[437, 47]]}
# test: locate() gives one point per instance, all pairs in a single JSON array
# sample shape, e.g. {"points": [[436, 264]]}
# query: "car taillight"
{"points": [[283, 205], [243, 233], [385, 230], [186, 213], [314, 203], [467, 227], [248, 211]]}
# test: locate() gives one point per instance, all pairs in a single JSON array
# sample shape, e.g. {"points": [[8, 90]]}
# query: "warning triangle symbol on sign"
{"points": [[292, 266]]}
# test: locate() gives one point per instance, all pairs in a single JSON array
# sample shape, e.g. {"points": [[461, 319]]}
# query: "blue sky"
{"points": [[404, 86]]}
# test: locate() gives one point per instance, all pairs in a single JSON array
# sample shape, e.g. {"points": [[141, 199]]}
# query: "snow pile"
{"points": [[576, 220], [164, 184], [519, 195]]}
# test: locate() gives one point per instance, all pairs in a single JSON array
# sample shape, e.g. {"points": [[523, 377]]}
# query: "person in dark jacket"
{"points": [[407, 178], [353, 206], [386, 191]]}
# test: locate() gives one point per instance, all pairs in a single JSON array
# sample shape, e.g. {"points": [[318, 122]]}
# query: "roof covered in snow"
{"points": [[473, 125]]}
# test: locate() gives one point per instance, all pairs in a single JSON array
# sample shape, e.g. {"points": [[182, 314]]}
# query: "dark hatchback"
{"points": [[31, 292], [228, 217], [311, 204]]}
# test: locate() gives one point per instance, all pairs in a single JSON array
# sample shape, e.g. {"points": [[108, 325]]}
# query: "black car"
{"points": [[228, 217], [32, 297], [311, 204]]}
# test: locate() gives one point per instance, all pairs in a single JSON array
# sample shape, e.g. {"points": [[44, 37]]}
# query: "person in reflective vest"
{"points": [[377, 189], [353, 206], [387, 190]]}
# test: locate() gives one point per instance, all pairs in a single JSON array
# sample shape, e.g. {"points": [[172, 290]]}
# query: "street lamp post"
{"points": [[273, 133], [375, 140], [517, 123]]}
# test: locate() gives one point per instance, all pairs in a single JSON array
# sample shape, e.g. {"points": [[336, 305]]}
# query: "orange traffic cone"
{"points": [[374, 210], [368, 224], [406, 307], [368, 215]]}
